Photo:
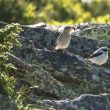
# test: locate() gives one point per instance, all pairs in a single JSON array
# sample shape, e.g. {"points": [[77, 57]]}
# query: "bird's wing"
{"points": [[60, 37], [95, 54]]}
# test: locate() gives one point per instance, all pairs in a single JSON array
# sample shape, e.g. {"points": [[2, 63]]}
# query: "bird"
{"points": [[100, 56], [64, 38]]}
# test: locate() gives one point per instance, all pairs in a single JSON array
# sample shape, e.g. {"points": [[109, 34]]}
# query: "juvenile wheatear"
{"points": [[100, 56], [64, 38]]}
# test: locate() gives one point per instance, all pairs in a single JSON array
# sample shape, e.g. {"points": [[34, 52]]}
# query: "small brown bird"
{"points": [[64, 38]]}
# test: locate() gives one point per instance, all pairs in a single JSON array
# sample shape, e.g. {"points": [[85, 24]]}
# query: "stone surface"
{"points": [[50, 74], [71, 71], [84, 102], [32, 75], [69, 68]]}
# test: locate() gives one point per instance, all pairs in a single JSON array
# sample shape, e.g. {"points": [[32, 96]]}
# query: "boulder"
{"points": [[83, 102], [49, 74], [69, 68]]}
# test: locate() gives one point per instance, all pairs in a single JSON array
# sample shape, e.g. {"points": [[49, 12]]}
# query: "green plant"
{"points": [[9, 37], [17, 11]]}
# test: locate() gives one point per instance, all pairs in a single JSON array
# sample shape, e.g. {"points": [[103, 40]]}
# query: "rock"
{"points": [[42, 24], [83, 102], [49, 74], [58, 70], [69, 68], [32, 75]]}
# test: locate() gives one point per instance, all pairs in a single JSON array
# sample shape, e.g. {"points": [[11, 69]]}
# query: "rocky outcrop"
{"points": [[69, 68], [66, 74], [84, 102], [50, 74], [40, 81]]}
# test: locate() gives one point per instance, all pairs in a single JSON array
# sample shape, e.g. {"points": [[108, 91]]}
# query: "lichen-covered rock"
{"points": [[69, 68], [50, 74], [83, 102], [94, 31], [62, 75], [32, 75]]}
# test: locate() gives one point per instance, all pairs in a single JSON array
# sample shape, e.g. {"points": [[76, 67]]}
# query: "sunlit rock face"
{"points": [[58, 75], [37, 48], [84, 102]]}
